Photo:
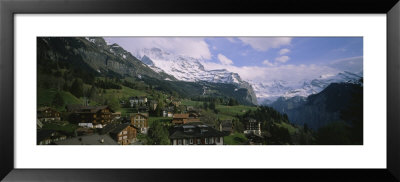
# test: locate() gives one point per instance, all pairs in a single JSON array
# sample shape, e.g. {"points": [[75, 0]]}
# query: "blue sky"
{"points": [[262, 58], [302, 50]]}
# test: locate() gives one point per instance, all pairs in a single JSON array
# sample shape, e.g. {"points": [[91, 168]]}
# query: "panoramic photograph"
{"points": [[199, 91]]}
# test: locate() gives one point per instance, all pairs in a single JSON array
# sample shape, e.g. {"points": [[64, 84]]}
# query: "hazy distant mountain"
{"points": [[268, 92], [319, 109]]}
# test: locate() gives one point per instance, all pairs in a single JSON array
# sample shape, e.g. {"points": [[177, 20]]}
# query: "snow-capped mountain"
{"points": [[189, 69], [184, 68], [268, 92]]}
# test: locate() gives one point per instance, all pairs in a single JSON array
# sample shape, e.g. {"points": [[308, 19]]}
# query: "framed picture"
{"points": [[219, 89]]}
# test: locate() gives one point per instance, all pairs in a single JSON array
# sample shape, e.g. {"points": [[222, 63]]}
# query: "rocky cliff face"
{"points": [[117, 59], [99, 58]]}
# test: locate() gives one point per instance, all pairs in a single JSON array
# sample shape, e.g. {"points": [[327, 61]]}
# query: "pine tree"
{"points": [[158, 134], [77, 88], [205, 105], [212, 105], [58, 101]]}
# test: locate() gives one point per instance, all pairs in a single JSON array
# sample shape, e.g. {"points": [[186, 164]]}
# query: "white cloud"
{"points": [[282, 59], [230, 39], [263, 44], [289, 73], [339, 50], [266, 62], [193, 47], [284, 51], [224, 60], [351, 64]]}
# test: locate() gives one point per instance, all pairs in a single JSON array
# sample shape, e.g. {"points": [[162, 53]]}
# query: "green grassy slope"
{"points": [[45, 98], [235, 139]]}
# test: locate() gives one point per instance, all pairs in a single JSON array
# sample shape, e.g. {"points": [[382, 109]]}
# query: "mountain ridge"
{"points": [[268, 92], [318, 110], [190, 69]]}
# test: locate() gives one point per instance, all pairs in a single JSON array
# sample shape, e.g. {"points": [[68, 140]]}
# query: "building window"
{"points": [[124, 132], [198, 141], [125, 137], [120, 138], [217, 140], [206, 140], [179, 142], [191, 141], [211, 140]]}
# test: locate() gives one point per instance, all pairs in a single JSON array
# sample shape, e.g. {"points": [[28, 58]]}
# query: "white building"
{"points": [[253, 127]]}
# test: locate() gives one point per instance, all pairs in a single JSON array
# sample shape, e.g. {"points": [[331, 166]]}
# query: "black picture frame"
{"points": [[9, 8]]}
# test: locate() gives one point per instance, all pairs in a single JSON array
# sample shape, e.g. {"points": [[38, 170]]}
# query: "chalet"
{"points": [[116, 115], [252, 127], [153, 105], [193, 117], [254, 139], [90, 114], [195, 134], [176, 103], [86, 125], [180, 119], [226, 127], [46, 114], [189, 108], [124, 134], [164, 113], [140, 121], [168, 113], [137, 101], [46, 137], [142, 109], [185, 118], [94, 139]]}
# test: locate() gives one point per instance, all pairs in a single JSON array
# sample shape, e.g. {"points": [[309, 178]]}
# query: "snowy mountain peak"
{"points": [[268, 92], [184, 68]]}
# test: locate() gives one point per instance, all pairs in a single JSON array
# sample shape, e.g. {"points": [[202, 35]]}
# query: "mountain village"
{"points": [[100, 125]]}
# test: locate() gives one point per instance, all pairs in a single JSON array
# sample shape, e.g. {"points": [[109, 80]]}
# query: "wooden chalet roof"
{"points": [[45, 108], [184, 116], [119, 128], [86, 109], [146, 115], [194, 130], [94, 139]]}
